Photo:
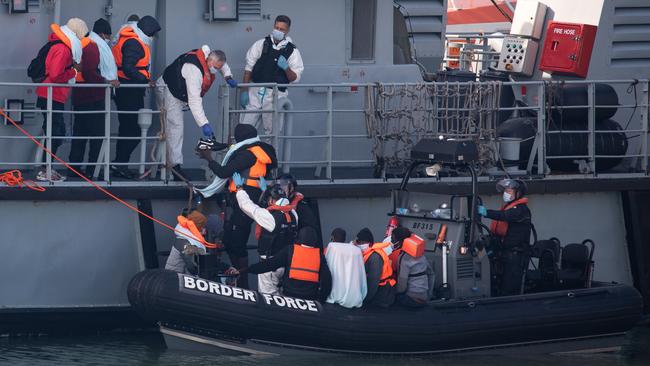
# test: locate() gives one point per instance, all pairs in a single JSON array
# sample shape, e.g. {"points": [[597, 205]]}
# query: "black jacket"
{"points": [[519, 226], [243, 159], [307, 218], [382, 296], [297, 288], [132, 52]]}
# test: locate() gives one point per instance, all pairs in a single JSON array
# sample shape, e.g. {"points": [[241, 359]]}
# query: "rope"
{"points": [[15, 178], [103, 190]]}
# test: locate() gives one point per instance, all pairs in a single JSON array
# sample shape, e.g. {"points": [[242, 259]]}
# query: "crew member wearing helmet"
{"points": [[297, 199], [512, 226], [276, 228]]}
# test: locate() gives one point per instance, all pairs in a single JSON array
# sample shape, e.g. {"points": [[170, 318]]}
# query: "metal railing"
{"points": [[286, 118]]}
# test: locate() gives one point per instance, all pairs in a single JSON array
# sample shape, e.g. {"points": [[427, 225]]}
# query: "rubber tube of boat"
{"points": [[144, 121]]}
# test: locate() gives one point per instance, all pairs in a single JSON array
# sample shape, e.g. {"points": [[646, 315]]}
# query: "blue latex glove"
{"points": [[263, 184], [237, 179], [231, 82], [482, 211], [282, 63], [243, 98], [207, 130]]}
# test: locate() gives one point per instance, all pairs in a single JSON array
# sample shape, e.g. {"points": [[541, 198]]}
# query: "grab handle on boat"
{"points": [[571, 295]]}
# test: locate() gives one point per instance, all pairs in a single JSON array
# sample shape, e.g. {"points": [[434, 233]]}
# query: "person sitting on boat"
{"points": [[307, 275], [345, 260], [379, 273], [252, 159], [307, 217], [511, 226], [276, 229], [182, 254], [411, 269]]}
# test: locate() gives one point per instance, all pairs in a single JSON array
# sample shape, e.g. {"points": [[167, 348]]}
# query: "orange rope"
{"points": [[15, 178], [133, 208]]}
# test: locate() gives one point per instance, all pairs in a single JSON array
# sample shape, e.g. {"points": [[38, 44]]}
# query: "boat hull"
{"points": [[243, 317]]}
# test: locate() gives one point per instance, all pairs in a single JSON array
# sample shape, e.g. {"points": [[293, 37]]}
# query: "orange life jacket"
{"points": [[56, 29], [191, 226], [84, 43], [500, 228], [208, 77], [386, 277], [254, 173], [142, 65], [305, 264], [285, 209]]}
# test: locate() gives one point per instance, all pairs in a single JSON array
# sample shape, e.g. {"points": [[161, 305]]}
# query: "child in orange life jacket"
{"points": [[306, 274], [181, 256], [512, 226], [379, 274]]}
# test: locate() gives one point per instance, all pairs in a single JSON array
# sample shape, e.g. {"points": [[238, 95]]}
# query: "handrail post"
{"points": [[48, 135], [541, 130], [107, 132], [225, 105], [591, 122], [329, 133], [274, 123], [644, 127]]}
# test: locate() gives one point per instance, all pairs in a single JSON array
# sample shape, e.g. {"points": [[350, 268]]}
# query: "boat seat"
{"points": [[544, 273], [576, 266]]}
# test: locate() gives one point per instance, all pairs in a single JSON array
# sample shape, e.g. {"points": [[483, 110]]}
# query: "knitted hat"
{"points": [[149, 25], [244, 132], [307, 235], [198, 218], [365, 236], [78, 27], [400, 233], [102, 26]]}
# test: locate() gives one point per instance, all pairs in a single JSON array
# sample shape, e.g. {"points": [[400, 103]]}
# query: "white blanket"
{"points": [[107, 67], [187, 235], [218, 184], [349, 284], [75, 47]]}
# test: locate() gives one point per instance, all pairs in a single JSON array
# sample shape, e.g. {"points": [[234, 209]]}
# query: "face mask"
{"points": [[277, 35], [507, 197], [213, 70], [388, 249]]}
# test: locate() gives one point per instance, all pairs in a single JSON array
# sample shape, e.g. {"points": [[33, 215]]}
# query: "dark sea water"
{"points": [[149, 349]]}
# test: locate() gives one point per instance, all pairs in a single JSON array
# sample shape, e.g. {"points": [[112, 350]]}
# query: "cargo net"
{"points": [[398, 116]]}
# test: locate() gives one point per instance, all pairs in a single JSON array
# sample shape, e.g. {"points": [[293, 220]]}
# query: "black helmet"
{"points": [[274, 192], [516, 184]]}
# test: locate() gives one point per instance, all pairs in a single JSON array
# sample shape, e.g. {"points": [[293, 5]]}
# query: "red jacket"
{"points": [[57, 70], [91, 75]]}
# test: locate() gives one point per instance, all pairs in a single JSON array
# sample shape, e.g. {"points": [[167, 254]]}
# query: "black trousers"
{"points": [[237, 227], [87, 125], [513, 263], [58, 124], [127, 99]]}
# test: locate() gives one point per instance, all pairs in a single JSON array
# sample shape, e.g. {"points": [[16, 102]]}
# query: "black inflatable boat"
{"points": [[209, 313]]}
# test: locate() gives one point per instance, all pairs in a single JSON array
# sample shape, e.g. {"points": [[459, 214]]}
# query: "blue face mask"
{"points": [[213, 70], [277, 35]]}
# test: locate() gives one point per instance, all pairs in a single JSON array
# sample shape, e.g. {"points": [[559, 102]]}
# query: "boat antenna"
{"points": [[506, 15]]}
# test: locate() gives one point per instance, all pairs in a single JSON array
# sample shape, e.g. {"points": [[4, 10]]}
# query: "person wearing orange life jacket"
{"points": [[91, 99], [253, 160], [182, 254], [62, 63], [133, 57], [411, 270], [306, 273], [511, 226], [184, 83], [379, 273], [277, 223]]}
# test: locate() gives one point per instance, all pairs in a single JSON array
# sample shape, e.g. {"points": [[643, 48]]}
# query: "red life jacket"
{"points": [[500, 228], [305, 264], [285, 209], [386, 277]]}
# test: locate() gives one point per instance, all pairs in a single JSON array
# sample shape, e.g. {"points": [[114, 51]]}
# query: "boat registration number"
{"points": [[423, 225]]}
